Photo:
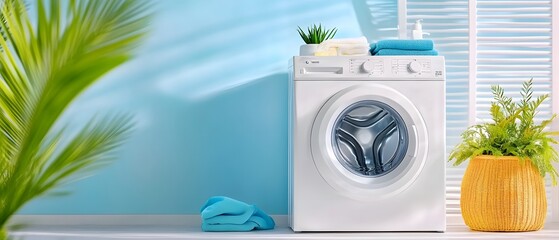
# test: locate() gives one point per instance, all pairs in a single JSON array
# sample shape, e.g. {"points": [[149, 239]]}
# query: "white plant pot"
{"points": [[308, 49]]}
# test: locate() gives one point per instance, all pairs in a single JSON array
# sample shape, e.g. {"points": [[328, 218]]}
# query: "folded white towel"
{"points": [[359, 40], [346, 46], [361, 54], [353, 50], [333, 52]]}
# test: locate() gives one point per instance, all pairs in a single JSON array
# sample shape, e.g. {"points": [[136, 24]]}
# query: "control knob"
{"points": [[367, 66], [415, 67]]}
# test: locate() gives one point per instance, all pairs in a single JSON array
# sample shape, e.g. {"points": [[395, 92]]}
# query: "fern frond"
{"points": [[526, 91]]}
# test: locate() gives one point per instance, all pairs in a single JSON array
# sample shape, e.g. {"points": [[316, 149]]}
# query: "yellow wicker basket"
{"points": [[503, 194]]}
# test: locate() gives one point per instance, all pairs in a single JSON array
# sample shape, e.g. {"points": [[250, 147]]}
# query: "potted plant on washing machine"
{"points": [[503, 187], [313, 37]]}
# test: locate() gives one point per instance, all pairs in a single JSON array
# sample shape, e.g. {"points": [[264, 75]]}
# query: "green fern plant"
{"points": [[513, 132], [44, 65], [316, 35]]}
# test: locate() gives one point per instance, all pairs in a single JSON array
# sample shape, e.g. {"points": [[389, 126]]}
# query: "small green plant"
{"points": [[512, 132], [316, 35]]}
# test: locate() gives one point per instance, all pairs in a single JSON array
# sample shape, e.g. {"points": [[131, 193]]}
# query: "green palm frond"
{"points": [[43, 68]]}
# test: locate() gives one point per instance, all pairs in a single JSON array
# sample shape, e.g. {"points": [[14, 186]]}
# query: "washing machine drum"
{"points": [[370, 138], [369, 142]]}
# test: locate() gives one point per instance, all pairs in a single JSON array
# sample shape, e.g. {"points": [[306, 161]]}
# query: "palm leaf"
{"points": [[43, 68]]}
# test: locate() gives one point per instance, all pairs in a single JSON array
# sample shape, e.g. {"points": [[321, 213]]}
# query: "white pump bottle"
{"points": [[417, 32]]}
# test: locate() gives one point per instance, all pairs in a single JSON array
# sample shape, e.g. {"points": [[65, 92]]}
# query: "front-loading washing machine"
{"points": [[367, 143]]}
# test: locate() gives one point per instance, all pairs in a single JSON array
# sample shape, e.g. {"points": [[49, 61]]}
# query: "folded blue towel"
{"points": [[398, 52], [423, 44], [223, 214]]}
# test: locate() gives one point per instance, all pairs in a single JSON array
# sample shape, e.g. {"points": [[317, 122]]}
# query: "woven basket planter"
{"points": [[503, 194]]}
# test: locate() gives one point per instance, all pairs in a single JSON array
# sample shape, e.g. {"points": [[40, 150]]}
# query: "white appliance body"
{"points": [[367, 144]]}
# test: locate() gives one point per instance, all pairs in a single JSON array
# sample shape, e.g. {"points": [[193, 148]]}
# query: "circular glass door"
{"points": [[369, 142], [370, 138]]}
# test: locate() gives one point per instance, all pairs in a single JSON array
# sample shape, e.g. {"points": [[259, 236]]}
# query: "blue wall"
{"points": [[208, 89]]}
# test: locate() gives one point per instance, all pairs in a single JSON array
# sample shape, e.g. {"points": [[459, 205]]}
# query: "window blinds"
{"points": [[513, 45], [448, 24], [486, 42]]}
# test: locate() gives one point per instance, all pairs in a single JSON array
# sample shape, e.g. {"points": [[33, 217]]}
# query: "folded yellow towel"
{"points": [[327, 52]]}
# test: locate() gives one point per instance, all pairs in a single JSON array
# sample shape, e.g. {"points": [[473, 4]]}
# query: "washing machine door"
{"points": [[369, 142]]}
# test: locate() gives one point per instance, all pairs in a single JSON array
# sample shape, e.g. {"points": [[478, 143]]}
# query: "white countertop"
{"points": [[551, 231]]}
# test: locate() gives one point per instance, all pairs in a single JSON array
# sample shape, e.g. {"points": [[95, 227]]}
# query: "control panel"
{"points": [[370, 67]]}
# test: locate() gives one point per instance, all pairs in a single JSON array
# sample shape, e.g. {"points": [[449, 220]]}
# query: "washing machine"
{"points": [[367, 143]]}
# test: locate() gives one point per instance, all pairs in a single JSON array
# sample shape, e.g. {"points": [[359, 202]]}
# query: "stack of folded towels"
{"points": [[404, 47], [344, 47], [223, 214]]}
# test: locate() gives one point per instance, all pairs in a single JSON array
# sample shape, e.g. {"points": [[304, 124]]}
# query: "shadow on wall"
{"points": [[209, 91], [232, 143], [378, 19], [254, 163]]}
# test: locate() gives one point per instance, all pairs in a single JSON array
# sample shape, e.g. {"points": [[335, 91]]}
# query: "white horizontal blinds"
{"points": [[448, 24], [555, 91], [513, 45]]}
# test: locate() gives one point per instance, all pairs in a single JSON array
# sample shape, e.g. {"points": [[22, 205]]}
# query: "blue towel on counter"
{"points": [[398, 52], [223, 214], [423, 44]]}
